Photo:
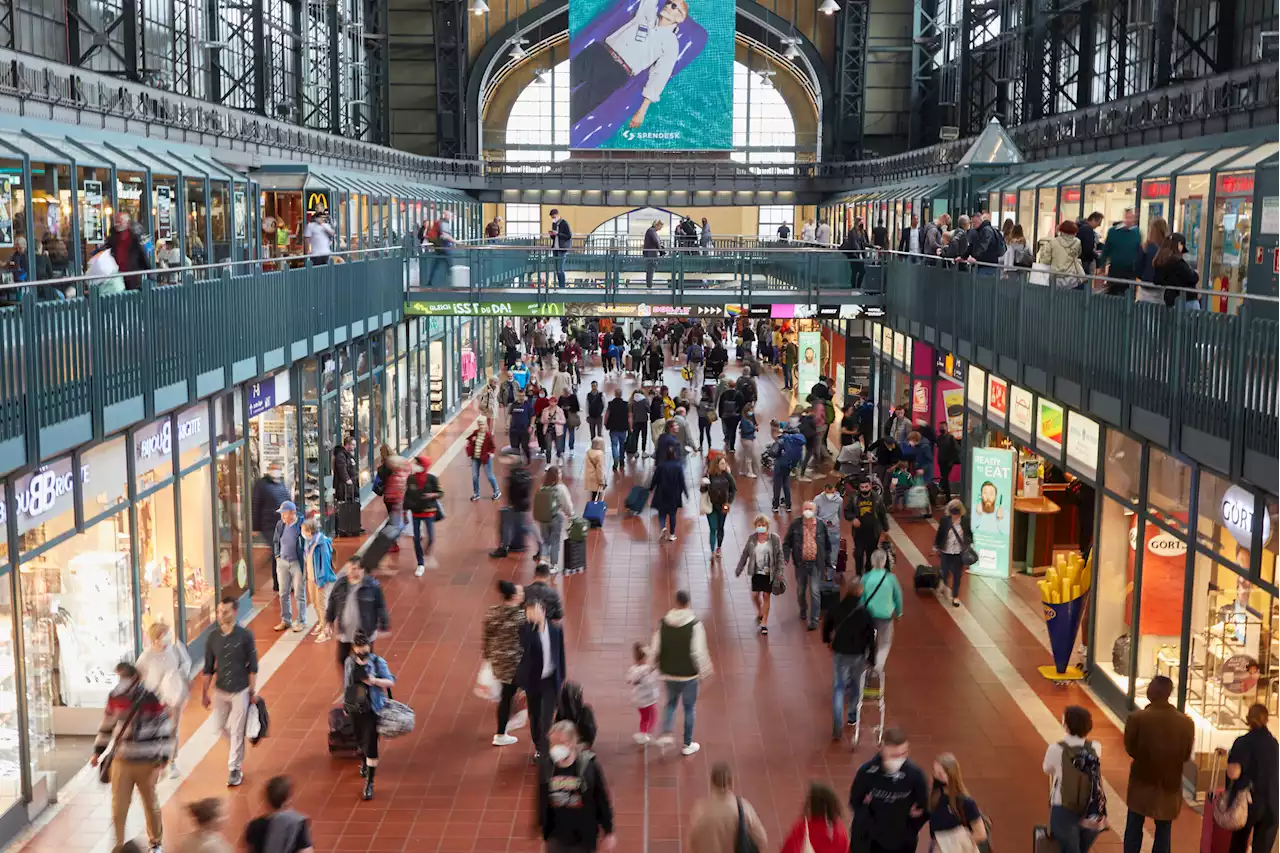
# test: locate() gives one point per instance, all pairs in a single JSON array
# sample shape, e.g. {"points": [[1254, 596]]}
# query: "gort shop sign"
{"points": [[43, 490]]}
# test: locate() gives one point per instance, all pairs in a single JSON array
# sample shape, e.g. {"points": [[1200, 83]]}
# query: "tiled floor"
{"points": [[766, 710]]}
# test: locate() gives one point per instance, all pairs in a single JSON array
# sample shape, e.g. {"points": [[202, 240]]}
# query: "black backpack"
{"points": [[355, 697]]}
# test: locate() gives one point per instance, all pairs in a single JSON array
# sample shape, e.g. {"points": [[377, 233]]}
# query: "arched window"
{"points": [[764, 130]]}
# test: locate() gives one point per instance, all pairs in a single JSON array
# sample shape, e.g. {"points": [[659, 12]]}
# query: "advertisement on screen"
{"points": [[991, 497], [810, 354], [651, 74]]}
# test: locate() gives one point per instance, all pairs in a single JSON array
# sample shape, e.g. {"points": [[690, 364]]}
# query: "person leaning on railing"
{"points": [[1175, 275], [1062, 255]]}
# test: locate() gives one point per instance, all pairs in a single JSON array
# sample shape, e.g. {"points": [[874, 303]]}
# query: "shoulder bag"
{"points": [[1232, 812], [109, 754], [743, 843]]}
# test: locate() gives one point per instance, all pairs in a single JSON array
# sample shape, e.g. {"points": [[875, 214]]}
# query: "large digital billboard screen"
{"points": [[651, 74]]}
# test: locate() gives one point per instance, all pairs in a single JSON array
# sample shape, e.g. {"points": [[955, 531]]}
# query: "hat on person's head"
{"points": [[288, 506]]}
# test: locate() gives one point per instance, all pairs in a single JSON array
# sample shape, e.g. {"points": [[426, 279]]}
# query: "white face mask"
{"points": [[892, 765], [560, 753], [808, 513], [762, 530]]}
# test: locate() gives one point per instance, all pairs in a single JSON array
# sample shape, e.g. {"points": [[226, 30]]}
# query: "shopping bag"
{"points": [[918, 497], [395, 719], [487, 687], [518, 720], [1040, 274]]}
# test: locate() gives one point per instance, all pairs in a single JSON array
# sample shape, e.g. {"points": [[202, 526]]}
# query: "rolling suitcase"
{"points": [[927, 578], [594, 513], [842, 557], [378, 546], [575, 556], [347, 521], [342, 734], [636, 499], [1213, 838], [1044, 842], [633, 443]]}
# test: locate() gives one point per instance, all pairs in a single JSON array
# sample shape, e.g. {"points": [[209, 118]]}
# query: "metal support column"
{"points": [[927, 45], [1088, 38], [851, 79], [260, 71], [451, 70]]}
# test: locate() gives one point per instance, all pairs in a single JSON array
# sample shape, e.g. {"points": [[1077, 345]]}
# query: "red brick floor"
{"points": [[766, 710]]}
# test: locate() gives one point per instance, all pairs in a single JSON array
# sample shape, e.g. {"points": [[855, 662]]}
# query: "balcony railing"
{"points": [[1200, 382], [81, 366]]}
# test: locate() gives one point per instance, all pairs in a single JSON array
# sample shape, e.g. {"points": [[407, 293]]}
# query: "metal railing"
{"points": [[1108, 346], [73, 369], [769, 271]]}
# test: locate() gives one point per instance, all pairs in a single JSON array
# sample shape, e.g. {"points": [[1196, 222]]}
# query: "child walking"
{"points": [[643, 678]]}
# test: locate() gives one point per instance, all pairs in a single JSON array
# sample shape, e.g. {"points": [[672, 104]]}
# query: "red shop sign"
{"points": [[1155, 189], [1071, 194], [1235, 184]]}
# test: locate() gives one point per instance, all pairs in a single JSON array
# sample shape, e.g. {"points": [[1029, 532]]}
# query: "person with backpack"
{"points": [[366, 678], [439, 236], [575, 814], [985, 244], [729, 409], [280, 822], [849, 630], [722, 821], [1077, 802], [514, 528], [787, 451], [694, 361], [953, 815], [889, 798], [574, 708], [1159, 738], [552, 509]]}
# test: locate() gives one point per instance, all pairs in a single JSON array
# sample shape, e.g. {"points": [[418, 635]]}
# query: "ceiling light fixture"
{"points": [[543, 76], [517, 50], [793, 51], [828, 7], [479, 7]]}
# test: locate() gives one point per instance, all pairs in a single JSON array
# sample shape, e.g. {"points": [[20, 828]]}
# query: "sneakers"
{"points": [[418, 572], [319, 627], [475, 497], [751, 476], [641, 738], [155, 848], [322, 637], [234, 778], [764, 629], [299, 627], [497, 495], [498, 553], [955, 602], [690, 748], [283, 626], [671, 537], [174, 772], [503, 740]]}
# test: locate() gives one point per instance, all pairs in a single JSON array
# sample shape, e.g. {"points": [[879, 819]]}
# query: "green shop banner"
{"points": [[651, 74], [991, 502], [421, 308]]}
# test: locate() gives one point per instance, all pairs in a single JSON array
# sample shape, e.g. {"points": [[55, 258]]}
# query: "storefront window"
{"points": [[10, 760], [220, 212], [1189, 213], [228, 417], [1232, 217], [1164, 572], [1155, 201], [396, 379], [157, 556], [1268, 569], [1026, 211], [197, 552], [1047, 220], [45, 504], [129, 187], [106, 478], [1224, 521], [314, 445], [1111, 200], [233, 569], [197, 218], [1169, 488], [95, 202], [164, 207], [1113, 588], [1123, 465]]}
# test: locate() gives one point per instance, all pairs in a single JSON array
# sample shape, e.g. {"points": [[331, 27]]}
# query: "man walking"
{"points": [[318, 238], [287, 546], [729, 408], [561, 239], [231, 669], [889, 799], [948, 457], [1159, 738], [514, 526], [867, 513], [541, 672], [145, 742], [1121, 252], [574, 812], [269, 494], [679, 650], [807, 545], [356, 605], [617, 420], [595, 410], [848, 629], [790, 361]]}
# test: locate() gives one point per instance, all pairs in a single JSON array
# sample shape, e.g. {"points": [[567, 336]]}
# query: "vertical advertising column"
{"points": [[991, 509]]}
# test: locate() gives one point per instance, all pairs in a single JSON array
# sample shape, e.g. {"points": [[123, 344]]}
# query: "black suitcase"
{"points": [[633, 443], [927, 578], [378, 546], [342, 734], [575, 555], [510, 534], [636, 499], [347, 521]]}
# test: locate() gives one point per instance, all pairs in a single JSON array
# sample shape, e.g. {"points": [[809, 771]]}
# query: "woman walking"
{"points": [[1157, 234], [552, 508], [820, 828], [720, 820], [953, 539], [762, 560], [668, 489], [552, 420], [480, 450], [1251, 765], [422, 499], [706, 410], [502, 650], [721, 489], [208, 817], [955, 824], [388, 484], [593, 476], [1175, 275], [317, 556], [749, 450], [165, 668], [365, 682]]}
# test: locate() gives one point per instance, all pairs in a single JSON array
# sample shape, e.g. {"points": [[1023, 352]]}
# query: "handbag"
{"points": [[109, 754], [395, 719], [704, 503], [968, 556], [779, 585], [957, 840], [1040, 274], [1232, 812], [487, 686], [743, 843], [572, 420]]}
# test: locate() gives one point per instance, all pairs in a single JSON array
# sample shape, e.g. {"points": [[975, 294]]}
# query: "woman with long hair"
{"points": [[1175, 275], [953, 539], [820, 828], [762, 558], [501, 649], [955, 823], [365, 682], [1251, 765], [1157, 235], [208, 817], [165, 668], [721, 489]]}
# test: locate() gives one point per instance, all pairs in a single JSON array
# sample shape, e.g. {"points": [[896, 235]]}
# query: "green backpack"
{"points": [[545, 505]]}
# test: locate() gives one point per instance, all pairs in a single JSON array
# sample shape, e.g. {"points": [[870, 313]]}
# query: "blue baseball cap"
{"points": [[288, 506]]}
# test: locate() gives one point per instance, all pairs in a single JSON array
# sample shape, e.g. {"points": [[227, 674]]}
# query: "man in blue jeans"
{"points": [[847, 627], [787, 453], [679, 650], [617, 421], [561, 238]]}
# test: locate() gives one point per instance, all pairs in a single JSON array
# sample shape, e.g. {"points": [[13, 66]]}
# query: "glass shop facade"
{"points": [[154, 524], [1183, 559]]}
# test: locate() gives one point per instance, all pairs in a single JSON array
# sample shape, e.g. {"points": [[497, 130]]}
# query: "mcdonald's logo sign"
{"points": [[317, 201]]}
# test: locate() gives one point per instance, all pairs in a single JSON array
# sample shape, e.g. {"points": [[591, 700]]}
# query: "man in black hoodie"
{"points": [[595, 410], [889, 799], [515, 527], [866, 510], [850, 631], [574, 811]]}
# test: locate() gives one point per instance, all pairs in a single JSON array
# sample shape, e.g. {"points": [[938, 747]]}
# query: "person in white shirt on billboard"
{"points": [[648, 41]]}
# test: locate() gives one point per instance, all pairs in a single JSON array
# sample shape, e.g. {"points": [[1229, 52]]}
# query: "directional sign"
{"points": [[421, 308]]}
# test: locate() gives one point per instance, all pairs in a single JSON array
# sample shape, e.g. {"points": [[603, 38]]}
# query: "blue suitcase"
{"points": [[594, 513], [636, 499]]}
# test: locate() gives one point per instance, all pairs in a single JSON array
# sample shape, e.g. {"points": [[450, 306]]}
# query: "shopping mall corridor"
{"points": [[958, 680]]}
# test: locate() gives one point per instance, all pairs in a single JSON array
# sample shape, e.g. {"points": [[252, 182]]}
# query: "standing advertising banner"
{"points": [[810, 352], [91, 222], [651, 74], [991, 496]]}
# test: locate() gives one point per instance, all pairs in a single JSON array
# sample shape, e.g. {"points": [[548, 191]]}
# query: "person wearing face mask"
{"points": [[574, 809], [231, 669], [762, 560], [269, 493], [140, 726], [371, 678], [165, 668], [356, 604], [317, 559], [951, 543], [807, 545], [889, 798], [750, 454], [541, 671], [954, 818], [829, 505], [638, 435], [851, 633]]}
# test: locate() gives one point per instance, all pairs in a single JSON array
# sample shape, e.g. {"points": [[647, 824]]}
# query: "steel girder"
{"points": [[927, 32], [450, 18], [851, 80]]}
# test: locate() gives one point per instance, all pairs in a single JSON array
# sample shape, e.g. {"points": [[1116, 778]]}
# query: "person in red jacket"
{"points": [[422, 499], [480, 449], [821, 827]]}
